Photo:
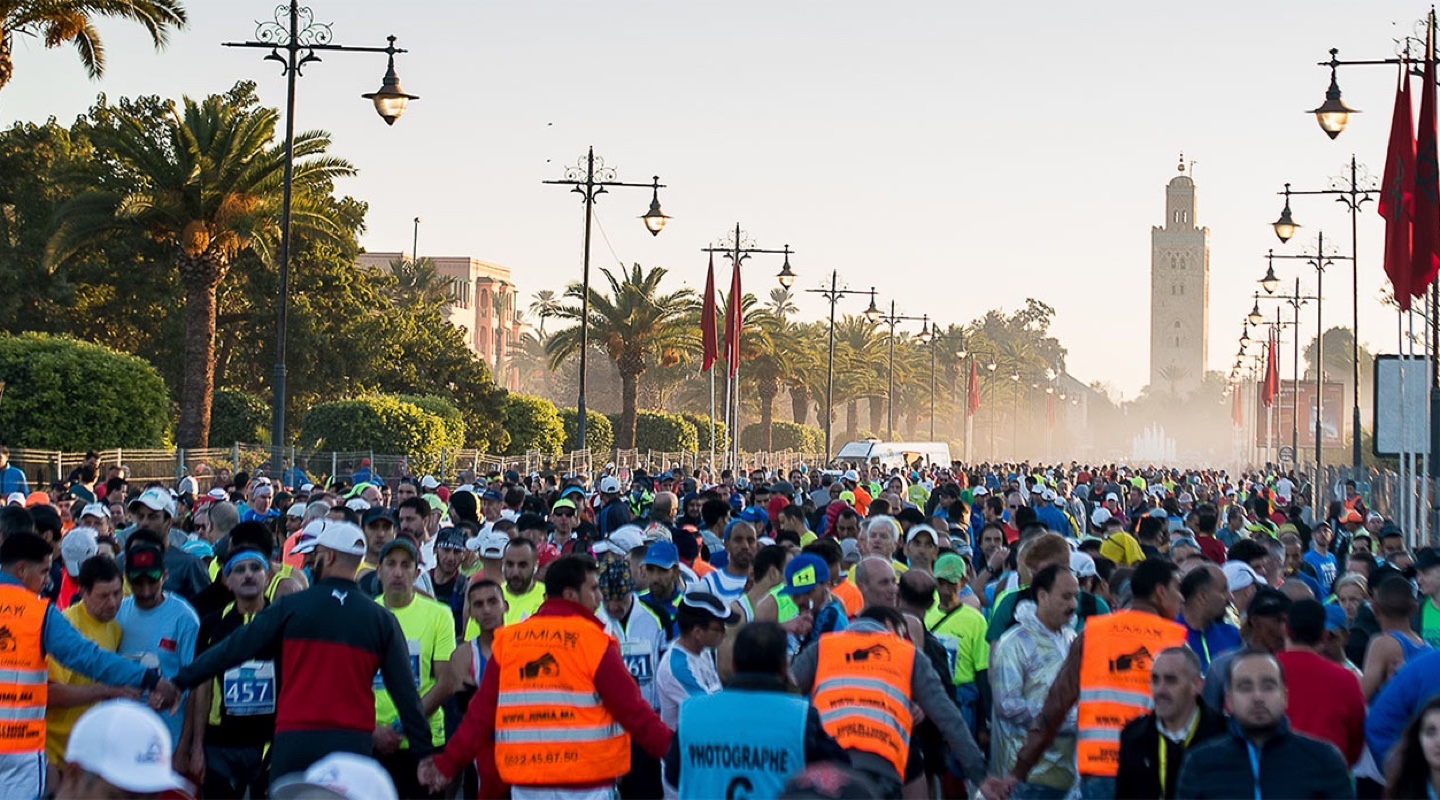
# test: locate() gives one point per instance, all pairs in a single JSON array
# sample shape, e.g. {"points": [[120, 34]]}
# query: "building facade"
{"points": [[482, 306], [1179, 293]]}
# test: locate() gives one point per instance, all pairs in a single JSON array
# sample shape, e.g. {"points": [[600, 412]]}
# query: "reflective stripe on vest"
{"points": [[1115, 665], [862, 691], [550, 725], [23, 675], [740, 743]]}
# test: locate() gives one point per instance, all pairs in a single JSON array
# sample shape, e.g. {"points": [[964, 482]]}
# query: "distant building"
{"points": [[1179, 293], [483, 307]]}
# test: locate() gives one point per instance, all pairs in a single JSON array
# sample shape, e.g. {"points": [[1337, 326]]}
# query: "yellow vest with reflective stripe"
{"points": [[23, 674]]}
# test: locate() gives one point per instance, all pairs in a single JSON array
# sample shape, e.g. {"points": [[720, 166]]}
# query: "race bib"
{"points": [[952, 649], [638, 659], [250, 689], [413, 646]]}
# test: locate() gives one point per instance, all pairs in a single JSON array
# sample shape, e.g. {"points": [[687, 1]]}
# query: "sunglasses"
{"points": [[562, 513], [147, 576]]}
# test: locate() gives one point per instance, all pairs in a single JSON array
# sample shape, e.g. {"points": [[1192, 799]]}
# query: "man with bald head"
{"points": [[875, 577]]}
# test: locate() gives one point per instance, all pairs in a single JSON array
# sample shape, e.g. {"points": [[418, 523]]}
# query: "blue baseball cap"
{"points": [[1335, 618], [804, 573], [661, 554]]}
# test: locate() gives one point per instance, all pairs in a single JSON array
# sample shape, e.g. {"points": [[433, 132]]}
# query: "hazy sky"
{"points": [[958, 156]]}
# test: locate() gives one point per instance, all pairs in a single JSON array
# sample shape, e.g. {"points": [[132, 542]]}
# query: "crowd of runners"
{"points": [[1024, 631]]}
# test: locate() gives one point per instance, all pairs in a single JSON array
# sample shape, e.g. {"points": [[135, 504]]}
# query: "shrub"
{"points": [[65, 394], [238, 416], [599, 434], [702, 432], [785, 436], [533, 423], [379, 423], [668, 433], [449, 415]]}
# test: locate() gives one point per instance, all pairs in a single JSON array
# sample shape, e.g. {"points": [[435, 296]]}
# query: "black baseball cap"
{"points": [[377, 514], [450, 539], [1269, 602], [1427, 557]]}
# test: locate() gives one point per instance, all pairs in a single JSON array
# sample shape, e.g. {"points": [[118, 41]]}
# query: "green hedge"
{"points": [[785, 436], [449, 415], [599, 434], [379, 423], [533, 423], [702, 432], [656, 430], [238, 416], [65, 394]]}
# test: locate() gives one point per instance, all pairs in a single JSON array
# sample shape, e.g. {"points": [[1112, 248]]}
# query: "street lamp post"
{"points": [[1319, 260], [738, 250], [295, 32], [1296, 300], [590, 178], [833, 295], [415, 242], [1353, 196], [892, 320], [991, 367]]}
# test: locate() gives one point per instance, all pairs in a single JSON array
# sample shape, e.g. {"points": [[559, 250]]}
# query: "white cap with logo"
{"points": [[342, 537], [338, 775], [127, 745], [155, 499]]}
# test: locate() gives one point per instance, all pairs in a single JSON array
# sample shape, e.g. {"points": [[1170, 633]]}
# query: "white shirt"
{"points": [[683, 675], [725, 586], [641, 641]]}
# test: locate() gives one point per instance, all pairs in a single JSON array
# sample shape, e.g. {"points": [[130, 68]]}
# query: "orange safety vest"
{"points": [[23, 674], [1115, 681], [550, 724], [862, 691]]}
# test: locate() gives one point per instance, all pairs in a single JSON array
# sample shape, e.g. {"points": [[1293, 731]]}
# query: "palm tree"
{"points": [[58, 21], [860, 352], [205, 178], [782, 303], [418, 281], [636, 324], [528, 359], [502, 303], [544, 307]]}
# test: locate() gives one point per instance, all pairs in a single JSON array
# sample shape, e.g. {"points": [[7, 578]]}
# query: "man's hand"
{"points": [[430, 776], [997, 559], [998, 788], [385, 740], [119, 693], [165, 697], [799, 626]]}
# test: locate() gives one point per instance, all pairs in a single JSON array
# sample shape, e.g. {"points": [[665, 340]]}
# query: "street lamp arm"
{"points": [[329, 48], [607, 183]]}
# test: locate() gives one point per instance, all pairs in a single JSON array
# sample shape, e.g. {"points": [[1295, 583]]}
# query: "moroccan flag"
{"points": [[972, 399], [708, 334], [1397, 192], [1271, 387], [1424, 260], [733, 311]]}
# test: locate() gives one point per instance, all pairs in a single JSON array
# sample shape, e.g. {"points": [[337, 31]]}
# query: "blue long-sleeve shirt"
{"points": [[12, 479], [1412, 686], [60, 639]]}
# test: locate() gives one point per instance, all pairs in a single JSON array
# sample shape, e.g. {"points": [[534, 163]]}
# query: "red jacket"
{"points": [[1325, 701], [475, 739]]}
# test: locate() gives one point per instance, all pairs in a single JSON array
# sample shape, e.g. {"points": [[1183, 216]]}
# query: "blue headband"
{"points": [[245, 555]]}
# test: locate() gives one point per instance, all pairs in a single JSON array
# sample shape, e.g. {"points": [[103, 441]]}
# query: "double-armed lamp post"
{"points": [[833, 295], [294, 39], [892, 319]]}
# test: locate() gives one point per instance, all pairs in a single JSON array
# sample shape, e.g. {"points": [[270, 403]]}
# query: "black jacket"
{"points": [[1291, 765], [1139, 772]]}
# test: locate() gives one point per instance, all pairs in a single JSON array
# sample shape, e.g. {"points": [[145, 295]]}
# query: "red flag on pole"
{"points": [[1397, 192], [1424, 260], [733, 311], [972, 400], [1271, 387], [708, 334]]}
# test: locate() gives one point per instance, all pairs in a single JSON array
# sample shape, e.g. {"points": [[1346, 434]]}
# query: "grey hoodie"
{"points": [[926, 691]]}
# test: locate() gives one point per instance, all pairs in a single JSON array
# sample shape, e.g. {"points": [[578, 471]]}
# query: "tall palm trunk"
{"points": [[7, 63], [852, 420], [201, 275], [630, 368], [767, 387], [877, 415], [800, 405]]}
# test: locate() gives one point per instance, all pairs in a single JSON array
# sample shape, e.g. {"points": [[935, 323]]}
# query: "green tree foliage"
{"points": [[381, 423], [55, 22], [702, 432], [668, 433], [786, 436], [64, 394], [599, 433], [239, 417], [448, 414], [533, 424]]}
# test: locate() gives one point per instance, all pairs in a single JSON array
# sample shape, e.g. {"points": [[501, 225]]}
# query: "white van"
{"points": [[890, 455]]}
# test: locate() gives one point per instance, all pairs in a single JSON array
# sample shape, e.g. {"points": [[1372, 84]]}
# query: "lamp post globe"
{"points": [[390, 100]]}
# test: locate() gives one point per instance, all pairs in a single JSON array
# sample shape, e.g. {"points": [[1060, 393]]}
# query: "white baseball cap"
{"points": [[218, 494], [492, 544], [1239, 574], [78, 545], [339, 775], [127, 745], [342, 537], [1112, 497], [296, 510], [980, 491], [357, 504], [609, 485], [155, 499], [1049, 495], [429, 482], [1082, 565], [96, 510], [851, 475], [15, 499], [625, 539], [308, 536], [1100, 516]]}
